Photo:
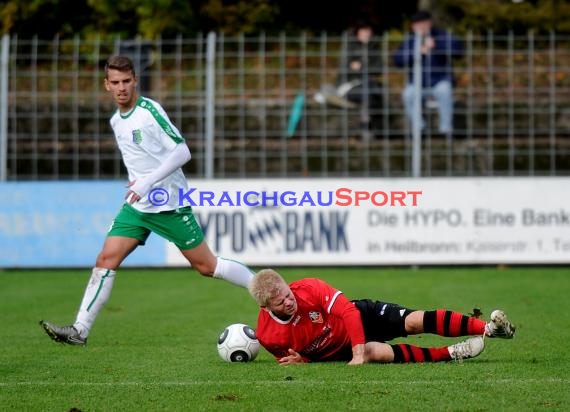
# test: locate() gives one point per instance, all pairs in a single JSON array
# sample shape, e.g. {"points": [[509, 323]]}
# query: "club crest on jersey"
{"points": [[137, 136], [316, 317]]}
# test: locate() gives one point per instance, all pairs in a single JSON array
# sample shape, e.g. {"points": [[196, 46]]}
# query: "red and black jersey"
{"points": [[325, 327]]}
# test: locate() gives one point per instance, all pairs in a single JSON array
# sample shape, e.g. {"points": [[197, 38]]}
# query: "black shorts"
{"points": [[382, 321]]}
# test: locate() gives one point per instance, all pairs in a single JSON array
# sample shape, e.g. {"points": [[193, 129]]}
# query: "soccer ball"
{"points": [[238, 343]]}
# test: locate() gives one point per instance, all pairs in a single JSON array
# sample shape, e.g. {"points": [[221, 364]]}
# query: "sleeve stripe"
{"points": [[164, 124], [333, 300]]}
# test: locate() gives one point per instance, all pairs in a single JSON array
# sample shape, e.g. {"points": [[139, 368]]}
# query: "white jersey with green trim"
{"points": [[146, 136]]}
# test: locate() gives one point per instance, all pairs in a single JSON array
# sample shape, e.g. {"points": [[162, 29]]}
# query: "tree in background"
{"points": [[44, 18], [145, 18], [501, 16], [169, 18], [243, 16]]}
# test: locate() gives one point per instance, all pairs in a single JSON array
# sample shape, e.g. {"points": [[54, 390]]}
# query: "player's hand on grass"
{"points": [[357, 355], [293, 357]]}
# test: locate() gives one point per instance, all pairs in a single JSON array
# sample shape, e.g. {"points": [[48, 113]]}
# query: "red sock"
{"points": [[404, 353], [447, 323]]}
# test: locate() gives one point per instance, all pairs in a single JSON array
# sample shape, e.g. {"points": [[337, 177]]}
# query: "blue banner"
{"points": [[64, 224]]}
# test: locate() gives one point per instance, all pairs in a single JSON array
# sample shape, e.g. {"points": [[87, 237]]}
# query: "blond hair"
{"points": [[266, 284]]}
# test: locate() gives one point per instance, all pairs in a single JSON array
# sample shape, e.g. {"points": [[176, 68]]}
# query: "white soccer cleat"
{"points": [[467, 349], [499, 326]]}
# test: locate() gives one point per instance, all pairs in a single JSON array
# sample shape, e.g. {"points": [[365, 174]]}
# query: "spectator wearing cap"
{"points": [[438, 49]]}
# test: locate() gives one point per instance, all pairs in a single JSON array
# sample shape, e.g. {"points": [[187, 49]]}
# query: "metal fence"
{"points": [[512, 108]]}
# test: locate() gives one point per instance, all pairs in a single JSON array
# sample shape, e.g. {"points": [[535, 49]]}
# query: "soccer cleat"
{"points": [[499, 326], [63, 334], [467, 349]]}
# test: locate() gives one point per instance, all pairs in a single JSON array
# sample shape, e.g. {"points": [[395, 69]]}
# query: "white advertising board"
{"points": [[384, 221]]}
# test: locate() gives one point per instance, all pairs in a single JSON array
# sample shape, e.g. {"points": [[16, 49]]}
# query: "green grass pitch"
{"points": [[153, 348]]}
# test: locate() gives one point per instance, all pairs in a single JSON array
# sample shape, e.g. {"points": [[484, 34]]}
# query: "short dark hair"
{"points": [[422, 15], [362, 24], [120, 63]]}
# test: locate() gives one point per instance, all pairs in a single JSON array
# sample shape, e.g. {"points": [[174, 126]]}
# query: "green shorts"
{"points": [[179, 226]]}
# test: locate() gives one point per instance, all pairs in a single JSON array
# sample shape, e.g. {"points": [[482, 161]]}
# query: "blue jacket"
{"points": [[437, 65]]}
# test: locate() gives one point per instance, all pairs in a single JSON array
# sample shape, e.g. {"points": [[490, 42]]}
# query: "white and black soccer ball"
{"points": [[238, 343]]}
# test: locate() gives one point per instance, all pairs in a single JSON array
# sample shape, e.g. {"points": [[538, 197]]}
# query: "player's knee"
{"points": [[414, 322], [107, 261]]}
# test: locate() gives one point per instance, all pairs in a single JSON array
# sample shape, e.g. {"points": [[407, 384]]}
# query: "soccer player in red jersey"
{"points": [[311, 321]]}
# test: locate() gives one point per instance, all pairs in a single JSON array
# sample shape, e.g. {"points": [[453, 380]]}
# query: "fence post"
{"points": [[210, 97], [417, 110], [4, 107]]}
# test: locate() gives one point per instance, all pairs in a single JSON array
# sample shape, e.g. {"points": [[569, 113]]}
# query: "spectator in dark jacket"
{"points": [[361, 67], [438, 49], [358, 83]]}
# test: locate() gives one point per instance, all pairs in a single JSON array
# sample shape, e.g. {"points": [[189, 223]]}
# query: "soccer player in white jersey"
{"points": [[153, 151]]}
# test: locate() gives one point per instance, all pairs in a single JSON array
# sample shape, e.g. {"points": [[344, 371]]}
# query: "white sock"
{"points": [[234, 272], [96, 295]]}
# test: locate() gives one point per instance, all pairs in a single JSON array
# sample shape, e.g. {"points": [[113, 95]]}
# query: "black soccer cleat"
{"points": [[63, 334]]}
